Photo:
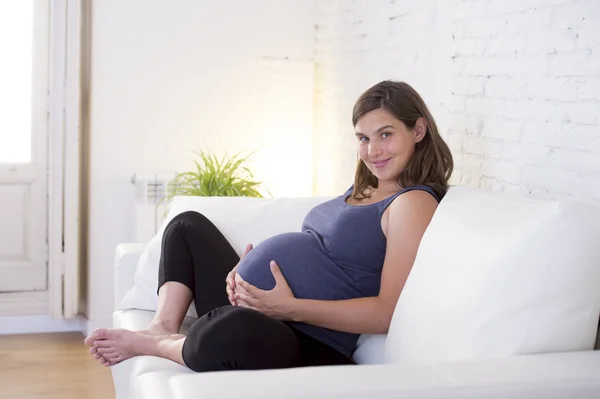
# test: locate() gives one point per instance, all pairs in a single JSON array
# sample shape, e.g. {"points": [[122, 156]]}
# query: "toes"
{"points": [[101, 333], [105, 343], [111, 356], [98, 334], [89, 341], [105, 350], [106, 362]]}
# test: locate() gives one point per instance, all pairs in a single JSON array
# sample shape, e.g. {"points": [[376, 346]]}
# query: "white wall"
{"points": [[170, 76], [514, 85]]}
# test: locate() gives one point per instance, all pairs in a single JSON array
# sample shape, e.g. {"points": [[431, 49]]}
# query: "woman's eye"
{"points": [[385, 134], [363, 139]]}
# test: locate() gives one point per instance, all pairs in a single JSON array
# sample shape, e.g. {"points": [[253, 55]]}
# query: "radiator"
{"points": [[150, 208]]}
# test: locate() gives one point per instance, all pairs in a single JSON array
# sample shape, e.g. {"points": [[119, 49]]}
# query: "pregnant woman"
{"points": [[302, 298]]}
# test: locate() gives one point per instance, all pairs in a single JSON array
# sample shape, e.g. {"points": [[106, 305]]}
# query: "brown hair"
{"points": [[431, 164]]}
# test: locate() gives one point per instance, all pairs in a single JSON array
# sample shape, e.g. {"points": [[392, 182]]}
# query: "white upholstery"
{"points": [[126, 261], [499, 275], [370, 349], [127, 258], [548, 376], [564, 375]]}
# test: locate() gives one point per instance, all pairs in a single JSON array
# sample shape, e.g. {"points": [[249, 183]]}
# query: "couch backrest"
{"points": [[244, 220], [499, 275]]}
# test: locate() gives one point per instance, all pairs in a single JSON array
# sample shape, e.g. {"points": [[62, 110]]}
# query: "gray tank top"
{"points": [[338, 255]]}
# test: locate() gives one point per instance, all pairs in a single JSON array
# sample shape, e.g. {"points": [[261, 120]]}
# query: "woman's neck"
{"points": [[387, 187]]}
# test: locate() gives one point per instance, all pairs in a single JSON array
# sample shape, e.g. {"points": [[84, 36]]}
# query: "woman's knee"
{"points": [[189, 219], [233, 337]]}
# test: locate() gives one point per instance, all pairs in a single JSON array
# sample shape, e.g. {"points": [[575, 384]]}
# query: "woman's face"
{"points": [[385, 144]]}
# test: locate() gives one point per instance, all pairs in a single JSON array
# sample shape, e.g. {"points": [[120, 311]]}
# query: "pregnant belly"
{"points": [[308, 271]]}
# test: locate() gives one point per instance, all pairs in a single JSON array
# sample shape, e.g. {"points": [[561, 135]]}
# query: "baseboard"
{"points": [[38, 324], [91, 325]]}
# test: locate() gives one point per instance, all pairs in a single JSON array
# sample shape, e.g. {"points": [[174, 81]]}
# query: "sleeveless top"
{"points": [[338, 255]]}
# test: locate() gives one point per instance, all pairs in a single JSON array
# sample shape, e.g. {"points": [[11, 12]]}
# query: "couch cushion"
{"points": [[560, 375], [370, 349], [499, 275]]}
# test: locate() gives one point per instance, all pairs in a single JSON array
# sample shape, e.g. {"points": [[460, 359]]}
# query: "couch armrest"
{"points": [[126, 260], [559, 375]]}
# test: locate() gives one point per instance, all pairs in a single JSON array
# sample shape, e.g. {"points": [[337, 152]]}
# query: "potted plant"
{"points": [[225, 177]]}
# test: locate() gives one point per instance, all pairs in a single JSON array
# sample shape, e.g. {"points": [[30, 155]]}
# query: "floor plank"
{"points": [[51, 366]]}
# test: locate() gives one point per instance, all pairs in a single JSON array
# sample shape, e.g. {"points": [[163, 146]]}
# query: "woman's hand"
{"points": [[277, 303], [230, 279]]}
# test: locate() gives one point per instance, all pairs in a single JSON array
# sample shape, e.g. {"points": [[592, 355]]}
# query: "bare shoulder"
{"points": [[411, 210], [415, 200]]}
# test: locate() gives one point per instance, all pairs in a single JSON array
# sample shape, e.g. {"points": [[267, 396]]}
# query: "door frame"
{"points": [[64, 166]]}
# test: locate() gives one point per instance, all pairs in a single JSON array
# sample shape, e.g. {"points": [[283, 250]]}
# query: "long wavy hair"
{"points": [[431, 163]]}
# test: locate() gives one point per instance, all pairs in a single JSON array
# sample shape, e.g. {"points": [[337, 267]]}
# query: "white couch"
{"points": [[503, 301]]}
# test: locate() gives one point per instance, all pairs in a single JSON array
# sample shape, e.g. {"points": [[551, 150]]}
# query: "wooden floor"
{"points": [[51, 366]]}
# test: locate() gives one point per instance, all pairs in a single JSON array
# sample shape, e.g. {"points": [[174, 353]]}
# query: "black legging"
{"points": [[225, 337]]}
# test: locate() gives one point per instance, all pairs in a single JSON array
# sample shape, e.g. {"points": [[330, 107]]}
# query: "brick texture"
{"points": [[514, 86]]}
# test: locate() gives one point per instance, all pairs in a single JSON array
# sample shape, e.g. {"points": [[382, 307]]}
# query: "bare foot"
{"points": [[99, 357], [154, 328], [112, 346]]}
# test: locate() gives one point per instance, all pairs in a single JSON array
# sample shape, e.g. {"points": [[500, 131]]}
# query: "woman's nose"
{"points": [[374, 149]]}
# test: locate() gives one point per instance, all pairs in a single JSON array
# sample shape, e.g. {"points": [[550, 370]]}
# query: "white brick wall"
{"points": [[514, 85]]}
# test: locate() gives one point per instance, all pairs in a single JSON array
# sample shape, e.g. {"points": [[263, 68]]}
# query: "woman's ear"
{"points": [[420, 129]]}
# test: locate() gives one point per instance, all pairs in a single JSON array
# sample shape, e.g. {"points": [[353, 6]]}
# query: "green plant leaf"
{"points": [[211, 176]]}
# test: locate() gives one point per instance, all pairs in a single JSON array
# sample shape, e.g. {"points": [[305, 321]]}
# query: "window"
{"points": [[16, 46]]}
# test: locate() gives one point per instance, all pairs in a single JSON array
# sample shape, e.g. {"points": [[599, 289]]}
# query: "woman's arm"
{"points": [[408, 217], [361, 315]]}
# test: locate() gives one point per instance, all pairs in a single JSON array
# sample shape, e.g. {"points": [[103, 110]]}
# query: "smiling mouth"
{"points": [[381, 164]]}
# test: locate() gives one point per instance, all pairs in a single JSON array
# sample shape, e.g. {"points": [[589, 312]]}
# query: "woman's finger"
{"points": [[249, 248], [230, 294], [253, 302], [230, 279], [250, 289], [276, 271]]}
